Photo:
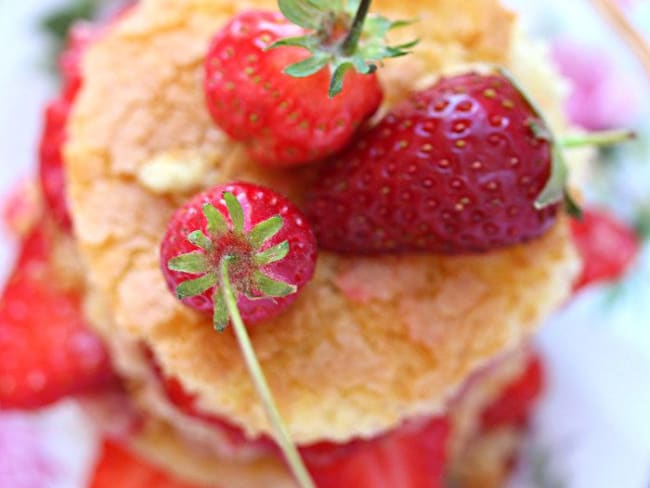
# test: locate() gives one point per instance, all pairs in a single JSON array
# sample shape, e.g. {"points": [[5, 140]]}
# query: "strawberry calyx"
{"points": [[226, 241], [342, 36]]}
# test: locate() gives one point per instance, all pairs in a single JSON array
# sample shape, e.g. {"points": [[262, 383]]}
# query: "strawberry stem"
{"points": [[350, 44], [261, 385], [604, 138]]}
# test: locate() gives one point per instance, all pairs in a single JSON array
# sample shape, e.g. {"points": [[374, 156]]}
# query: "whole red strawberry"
{"points": [[458, 168], [46, 349], [261, 237], [607, 247], [276, 100]]}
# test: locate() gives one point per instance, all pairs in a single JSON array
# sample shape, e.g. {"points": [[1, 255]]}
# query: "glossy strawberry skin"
{"points": [[455, 169], [259, 204], [607, 247], [118, 467], [47, 351], [412, 456], [282, 120]]}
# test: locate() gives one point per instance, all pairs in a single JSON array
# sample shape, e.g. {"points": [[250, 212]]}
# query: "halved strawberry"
{"points": [[607, 247], [119, 468], [517, 400], [413, 456], [46, 350]]}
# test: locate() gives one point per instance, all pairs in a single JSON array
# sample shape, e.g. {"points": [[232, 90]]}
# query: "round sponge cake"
{"points": [[371, 340]]}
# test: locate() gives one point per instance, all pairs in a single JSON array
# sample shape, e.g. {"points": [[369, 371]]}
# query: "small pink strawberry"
{"points": [[276, 100], [260, 236], [467, 165]]}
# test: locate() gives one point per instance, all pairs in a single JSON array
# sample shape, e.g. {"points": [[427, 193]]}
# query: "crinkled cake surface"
{"points": [[370, 341]]}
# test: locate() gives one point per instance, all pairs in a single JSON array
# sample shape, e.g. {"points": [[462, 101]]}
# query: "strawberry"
{"points": [[457, 168], [607, 246], [516, 401], [118, 467], [260, 235], [186, 403], [80, 36], [413, 456], [46, 349], [51, 171], [285, 117]]}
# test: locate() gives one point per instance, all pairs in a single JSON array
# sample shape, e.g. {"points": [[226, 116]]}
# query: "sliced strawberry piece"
{"points": [[516, 402], [51, 171], [413, 456], [607, 247], [46, 349], [119, 468], [186, 403]]}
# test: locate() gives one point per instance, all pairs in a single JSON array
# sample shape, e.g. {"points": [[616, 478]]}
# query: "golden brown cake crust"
{"points": [[345, 360]]}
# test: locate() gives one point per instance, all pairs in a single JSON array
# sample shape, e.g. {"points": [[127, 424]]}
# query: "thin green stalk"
{"points": [[351, 41], [604, 138], [259, 380]]}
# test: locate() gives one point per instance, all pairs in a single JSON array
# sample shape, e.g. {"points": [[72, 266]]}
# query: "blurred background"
{"points": [[593, 427]]}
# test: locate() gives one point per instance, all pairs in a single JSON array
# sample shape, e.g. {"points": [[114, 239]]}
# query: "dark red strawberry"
{"points": [[607, 246], [276, 100], [46, 349], [457, 168], [413, 456], [261, 237], [516, 402], [119, 468]]}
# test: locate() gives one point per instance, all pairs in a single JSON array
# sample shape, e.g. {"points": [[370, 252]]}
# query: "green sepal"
{"points": [[193, 262], [572, 207], [217, 224], [309, 14], [308, 42], [236, 212], [199, 239], [336, 82], [272, 288], [220, 316], [263, 231], [191, 288], [307, 67], [272, 254]]}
